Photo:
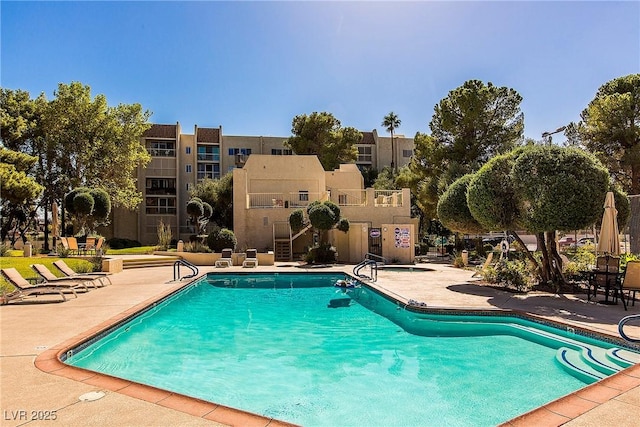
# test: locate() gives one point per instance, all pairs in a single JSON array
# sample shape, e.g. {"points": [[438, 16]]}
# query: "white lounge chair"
{"points": [[225, 259], [251, 258]]}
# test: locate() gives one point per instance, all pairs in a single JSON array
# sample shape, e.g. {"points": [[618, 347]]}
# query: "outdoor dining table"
{"points": [[611, 282]]}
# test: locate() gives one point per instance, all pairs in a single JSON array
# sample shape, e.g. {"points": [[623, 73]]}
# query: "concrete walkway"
{"points": [[30, 396]]}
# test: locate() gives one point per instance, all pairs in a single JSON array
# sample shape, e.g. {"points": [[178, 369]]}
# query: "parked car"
{"points": [[566, 242], [586, 241]]}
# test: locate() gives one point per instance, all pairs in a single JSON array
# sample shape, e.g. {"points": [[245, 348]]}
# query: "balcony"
{"points": [[283, 200]]}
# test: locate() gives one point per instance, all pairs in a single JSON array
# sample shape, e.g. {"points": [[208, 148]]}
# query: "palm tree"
{"points": [[391, 122]]}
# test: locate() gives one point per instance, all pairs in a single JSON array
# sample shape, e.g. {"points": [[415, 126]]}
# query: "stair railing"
{"points": [[621, 324], [176, 270]]}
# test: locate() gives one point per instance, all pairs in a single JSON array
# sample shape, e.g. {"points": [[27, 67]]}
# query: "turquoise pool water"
{"points": [[277, 345]]}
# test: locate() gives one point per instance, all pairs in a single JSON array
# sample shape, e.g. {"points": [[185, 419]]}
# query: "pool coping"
{"points": [[554, 413]]}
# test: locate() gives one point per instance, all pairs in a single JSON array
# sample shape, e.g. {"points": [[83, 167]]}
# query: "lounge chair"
{"points": [[225, 259], [25, 289], [69, 272], [251, 258], [76, 282], [631, 281]]}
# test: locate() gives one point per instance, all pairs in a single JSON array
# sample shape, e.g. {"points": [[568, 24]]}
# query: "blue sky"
{"points": [[252, 66]]}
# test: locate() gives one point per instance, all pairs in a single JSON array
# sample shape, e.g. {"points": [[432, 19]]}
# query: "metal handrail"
{"points": [[369, 256], [374, 269], [176, 270], [621, 324]]}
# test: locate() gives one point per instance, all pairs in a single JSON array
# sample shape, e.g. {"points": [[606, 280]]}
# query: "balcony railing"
{"points": [[162, 152], [282, 200], [388, 198], [355, 197]]}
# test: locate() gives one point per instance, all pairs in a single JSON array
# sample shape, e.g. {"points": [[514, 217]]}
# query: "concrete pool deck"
{"points": [[34, 386]]}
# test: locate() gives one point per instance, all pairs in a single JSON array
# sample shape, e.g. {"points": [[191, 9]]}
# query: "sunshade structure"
{"points": [[609, 242]]}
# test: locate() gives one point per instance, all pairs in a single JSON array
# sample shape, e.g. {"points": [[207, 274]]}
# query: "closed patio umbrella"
{"points": [[609, 242], [54, 223]]}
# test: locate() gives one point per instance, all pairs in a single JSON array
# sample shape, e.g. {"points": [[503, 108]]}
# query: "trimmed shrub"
{"points": [[220, 239]]}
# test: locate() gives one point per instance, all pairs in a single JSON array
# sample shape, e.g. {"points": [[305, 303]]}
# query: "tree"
{"points": [[391, 122], [218, 193], [79, 141], [89, 207], [540, 189], [323, 135], [474, 123], [610, 128], [19, 192], [199, 214], [453, 210]]}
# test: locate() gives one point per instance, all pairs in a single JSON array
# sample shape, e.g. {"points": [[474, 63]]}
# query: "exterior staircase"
{"points": [[282, 250]]}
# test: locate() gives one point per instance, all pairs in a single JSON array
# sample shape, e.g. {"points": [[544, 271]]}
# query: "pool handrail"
{"points": [[374, 270], [621, 324], [176, 270]]}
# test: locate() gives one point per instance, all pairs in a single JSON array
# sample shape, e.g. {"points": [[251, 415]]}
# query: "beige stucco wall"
{"points": [[347, 176], [398, 242]]}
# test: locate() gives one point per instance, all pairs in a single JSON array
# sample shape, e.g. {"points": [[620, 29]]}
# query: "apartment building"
{"points": [[180, 160], [268, 188]]}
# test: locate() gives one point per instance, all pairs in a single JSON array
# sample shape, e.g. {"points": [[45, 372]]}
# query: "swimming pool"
{"points": [[277, 346]]}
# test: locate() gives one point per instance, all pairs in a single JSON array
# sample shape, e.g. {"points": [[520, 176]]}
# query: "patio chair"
{"points": [[225, 259], [605, 274], [64, 243], [251, 258], [72, 242], [98, 248], [90, 245], [49, 277], [25, 289], [486, 264], [69, 272], [631, 281]]}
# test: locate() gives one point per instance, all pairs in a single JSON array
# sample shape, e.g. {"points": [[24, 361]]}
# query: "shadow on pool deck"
{"points": [[31, 331]]}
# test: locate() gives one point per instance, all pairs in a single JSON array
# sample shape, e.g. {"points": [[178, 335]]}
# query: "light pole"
{"points": [[546, 136]]}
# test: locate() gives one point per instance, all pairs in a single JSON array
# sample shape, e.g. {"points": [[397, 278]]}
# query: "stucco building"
{"points": [[180, 160]]}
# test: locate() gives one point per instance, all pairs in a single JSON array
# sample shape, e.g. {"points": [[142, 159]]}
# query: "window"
{"points": [[187, 168], [234, 151], [162, 148], [187, 150], [364, 154], [164, 186], [208, 153], [208, 171], [281, 152], [189, 186], [407, 153], [303, 195], [160, 205]]}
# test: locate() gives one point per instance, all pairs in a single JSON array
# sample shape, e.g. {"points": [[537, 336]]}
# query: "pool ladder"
{"points": [[176, 270], [621, 324], [372, 264]]}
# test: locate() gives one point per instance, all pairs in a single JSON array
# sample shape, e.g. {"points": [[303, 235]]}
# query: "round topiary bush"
{"points": [[221, 239]]}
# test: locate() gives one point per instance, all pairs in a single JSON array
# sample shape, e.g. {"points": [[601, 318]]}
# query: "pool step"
{"points": [[148, 262], [573, 362], [591, 364], [623, 357]]}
